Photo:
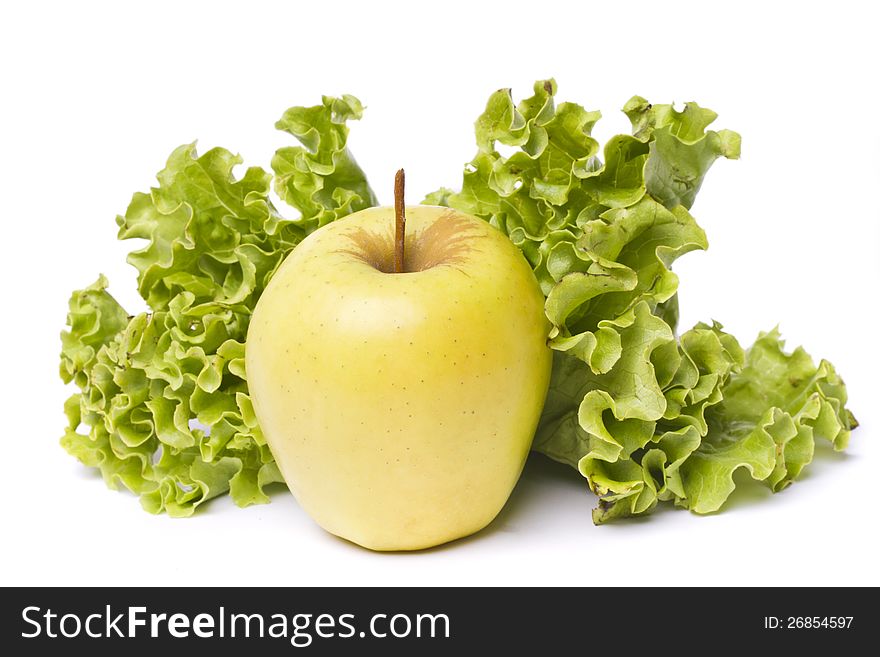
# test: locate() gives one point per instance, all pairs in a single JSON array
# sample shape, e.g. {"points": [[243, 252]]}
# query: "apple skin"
{"points": [[401, 407]]}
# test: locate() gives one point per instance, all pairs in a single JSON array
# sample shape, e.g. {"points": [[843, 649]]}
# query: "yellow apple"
{"points": [[400, 407]]}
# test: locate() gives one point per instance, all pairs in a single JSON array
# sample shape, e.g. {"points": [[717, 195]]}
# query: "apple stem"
{"points": [[400, 221]]}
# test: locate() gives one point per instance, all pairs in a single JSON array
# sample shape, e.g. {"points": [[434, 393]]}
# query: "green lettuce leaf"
{"points": [[208, 234], [163, 406], [773, 410], [321, 178], [94, 318], [681, 149], [644, 415], [631, 447], [763, 413]]}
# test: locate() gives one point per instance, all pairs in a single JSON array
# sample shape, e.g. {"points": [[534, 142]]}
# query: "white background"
{"points": [[95, 96]]}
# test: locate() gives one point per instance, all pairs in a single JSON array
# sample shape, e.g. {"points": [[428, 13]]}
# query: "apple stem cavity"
{"points": [[399, 221]]}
